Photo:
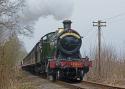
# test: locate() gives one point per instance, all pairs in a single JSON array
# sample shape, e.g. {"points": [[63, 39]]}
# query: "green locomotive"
{"points": [[57, 55]]}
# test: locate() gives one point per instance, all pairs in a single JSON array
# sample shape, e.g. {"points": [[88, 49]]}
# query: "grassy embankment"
{"points": [[10, 55], [112, 68]]}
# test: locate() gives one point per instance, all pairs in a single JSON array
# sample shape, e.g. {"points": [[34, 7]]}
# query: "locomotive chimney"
{"points": [[67, 24]]}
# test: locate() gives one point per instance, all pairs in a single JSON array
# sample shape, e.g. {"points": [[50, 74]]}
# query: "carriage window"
{"points": [[44, 38]]}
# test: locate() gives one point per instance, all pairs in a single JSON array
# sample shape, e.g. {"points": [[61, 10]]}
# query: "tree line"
{"points": [[12, 50]]}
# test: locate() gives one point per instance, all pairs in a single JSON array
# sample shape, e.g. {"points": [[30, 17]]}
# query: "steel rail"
{"points": [[90, 85], [103, 85]]}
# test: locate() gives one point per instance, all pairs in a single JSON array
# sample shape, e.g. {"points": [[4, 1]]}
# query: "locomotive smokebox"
{"points": [[67, 24]]}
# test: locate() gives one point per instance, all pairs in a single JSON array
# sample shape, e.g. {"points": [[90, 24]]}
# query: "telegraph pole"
{"points": [[99, 24]]}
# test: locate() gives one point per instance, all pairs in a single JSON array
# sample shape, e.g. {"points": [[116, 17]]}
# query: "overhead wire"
{"points": [[106, 19], [89, 33], [110, 19], [89, 44], [114, 17]]}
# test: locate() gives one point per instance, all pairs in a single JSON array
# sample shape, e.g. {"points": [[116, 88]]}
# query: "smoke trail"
{"points": [[34, 9], [59, 9]]}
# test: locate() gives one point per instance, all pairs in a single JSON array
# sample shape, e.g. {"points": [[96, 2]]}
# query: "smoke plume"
{"points": [[59, 9]]}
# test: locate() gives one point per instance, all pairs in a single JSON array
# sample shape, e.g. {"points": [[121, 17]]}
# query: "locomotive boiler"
{"points": [[58, 56]]}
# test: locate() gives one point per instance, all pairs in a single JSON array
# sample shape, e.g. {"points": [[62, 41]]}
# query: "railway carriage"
{"points": [[57, 55]]}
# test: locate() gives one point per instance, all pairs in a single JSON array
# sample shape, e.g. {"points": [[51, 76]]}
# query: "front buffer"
{"points": [[71, 70]]}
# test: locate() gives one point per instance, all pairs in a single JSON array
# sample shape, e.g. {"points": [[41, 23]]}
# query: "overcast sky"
{"points": [[84, 13]]}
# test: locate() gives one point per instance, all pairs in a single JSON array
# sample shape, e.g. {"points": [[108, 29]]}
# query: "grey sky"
{"points": [[84, 13]]}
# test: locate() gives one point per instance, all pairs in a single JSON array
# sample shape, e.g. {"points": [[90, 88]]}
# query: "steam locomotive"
{"points": [[58, 56]]}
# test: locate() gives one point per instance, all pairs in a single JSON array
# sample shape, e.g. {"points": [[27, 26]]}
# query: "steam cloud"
{"points": [[59, 9], [34, 9]]}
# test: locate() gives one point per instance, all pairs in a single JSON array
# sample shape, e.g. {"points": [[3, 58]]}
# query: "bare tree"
{"points": [[9, 20]]}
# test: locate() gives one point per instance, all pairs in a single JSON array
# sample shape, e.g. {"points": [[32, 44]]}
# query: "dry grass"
{"points": [[112, 69], [9, 55], [24, 81]]}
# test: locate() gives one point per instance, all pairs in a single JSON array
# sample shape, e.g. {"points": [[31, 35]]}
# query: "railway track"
{"points": [[87, 85], [80, 85]]}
